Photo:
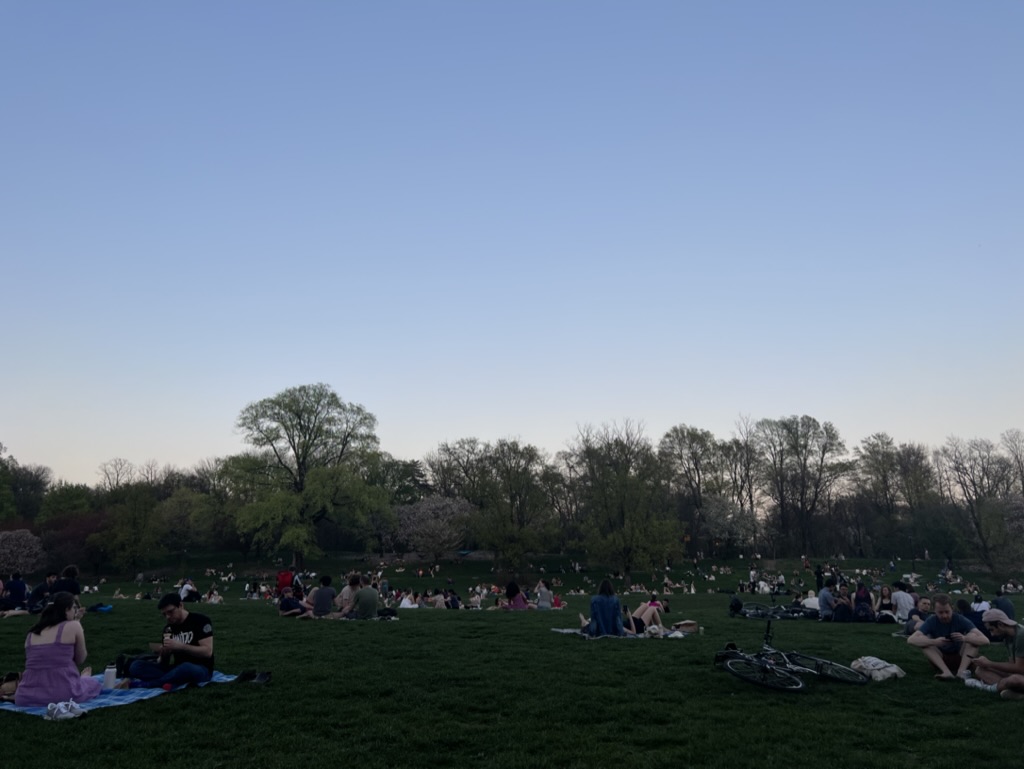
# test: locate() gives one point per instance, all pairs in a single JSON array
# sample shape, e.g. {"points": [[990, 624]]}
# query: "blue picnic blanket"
{"points": [[111, 697]]}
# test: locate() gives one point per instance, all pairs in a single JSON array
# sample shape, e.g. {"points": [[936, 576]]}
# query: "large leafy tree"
{"points": [[801, 463], [505, 482], [695, 465], [306, 427], [308, 441], [623, 492]]}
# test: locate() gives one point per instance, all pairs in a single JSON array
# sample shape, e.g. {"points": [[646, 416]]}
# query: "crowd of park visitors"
{"points": [[951, 629]]}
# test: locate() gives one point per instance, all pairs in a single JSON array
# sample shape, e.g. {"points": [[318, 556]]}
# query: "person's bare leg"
{"points": [[935, 657], [1011, 687], [584, 622], [651, 616], [87, 671], [967, 655]]}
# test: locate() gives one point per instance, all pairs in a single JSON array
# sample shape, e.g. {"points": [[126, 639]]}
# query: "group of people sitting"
{"points": [[55, 649], [952, 643], [359, 599], [608, 617]]}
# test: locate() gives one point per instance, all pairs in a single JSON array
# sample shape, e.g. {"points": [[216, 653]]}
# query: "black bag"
{"points": [[124, 661]]}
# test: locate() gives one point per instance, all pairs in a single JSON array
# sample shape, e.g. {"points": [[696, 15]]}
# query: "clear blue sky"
{"points": [[507, 219]]}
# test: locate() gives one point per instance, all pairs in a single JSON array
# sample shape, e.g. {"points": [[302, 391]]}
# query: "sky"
{"points": [[507, 220]]}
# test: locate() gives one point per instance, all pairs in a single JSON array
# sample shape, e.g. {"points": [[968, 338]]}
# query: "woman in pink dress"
{"points": [[54, 648]]}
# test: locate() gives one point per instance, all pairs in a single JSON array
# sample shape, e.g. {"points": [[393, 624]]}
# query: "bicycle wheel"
{"points": [[833, 671], [763, 674]]}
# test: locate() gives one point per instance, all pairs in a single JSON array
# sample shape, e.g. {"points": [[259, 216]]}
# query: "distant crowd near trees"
{"points": [[315, 479]]}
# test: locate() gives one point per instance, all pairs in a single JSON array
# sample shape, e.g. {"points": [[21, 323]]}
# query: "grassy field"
{"points": [[444, 688]]}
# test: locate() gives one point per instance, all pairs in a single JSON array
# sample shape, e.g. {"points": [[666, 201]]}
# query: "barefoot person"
{"points": [[950, 641], [186, 653], [54, 648], [1003, 678]]}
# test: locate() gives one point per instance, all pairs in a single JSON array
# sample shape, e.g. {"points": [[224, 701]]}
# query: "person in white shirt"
{"points": [[902, 601]]}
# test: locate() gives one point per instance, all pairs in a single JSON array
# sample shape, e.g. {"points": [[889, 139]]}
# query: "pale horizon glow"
{"points": [[495, 221]]}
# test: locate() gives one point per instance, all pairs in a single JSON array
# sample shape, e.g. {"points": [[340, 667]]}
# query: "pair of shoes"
{"points": [[1010, 694], [966, 675], [59, 711], [977, 683], [73, 708], [262, 678], [245, 675]]}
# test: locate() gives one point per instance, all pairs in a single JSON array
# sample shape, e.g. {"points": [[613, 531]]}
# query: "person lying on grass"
{"points": [[948, 640], [646, 615], [1004, 678], [185, 654]]}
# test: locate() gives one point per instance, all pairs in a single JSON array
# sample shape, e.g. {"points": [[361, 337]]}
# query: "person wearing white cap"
{"points": [[1004, 678]]}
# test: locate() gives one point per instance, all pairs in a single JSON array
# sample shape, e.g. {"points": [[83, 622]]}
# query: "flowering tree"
{"points": [[20, 550], [434, 525]]}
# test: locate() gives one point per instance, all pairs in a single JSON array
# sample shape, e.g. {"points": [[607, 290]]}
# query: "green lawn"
{"points": [[443, 688]]}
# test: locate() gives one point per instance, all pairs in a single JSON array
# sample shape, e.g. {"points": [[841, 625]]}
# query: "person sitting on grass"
{"points": [[948, 640], [545, 597], [901, 601], [826, 600], [918, 615], [346, 597], [885, 609], [1004, 678], [605, 613], [291, 606], [364, 601], [322, 598], [516, 599], [842, 610], [185, 654], [54, 648]]}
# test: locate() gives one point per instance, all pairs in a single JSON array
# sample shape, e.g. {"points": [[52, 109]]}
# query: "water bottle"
{"points": [[110, 677]]}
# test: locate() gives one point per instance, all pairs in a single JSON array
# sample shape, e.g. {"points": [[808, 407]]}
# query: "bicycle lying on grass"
{"points": [[782, 670]]}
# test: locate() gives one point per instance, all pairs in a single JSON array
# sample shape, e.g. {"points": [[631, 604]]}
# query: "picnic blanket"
{"points": [[111, 697]]}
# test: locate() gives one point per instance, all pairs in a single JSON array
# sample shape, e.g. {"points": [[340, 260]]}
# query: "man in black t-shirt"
{"points": [[186, 653]]}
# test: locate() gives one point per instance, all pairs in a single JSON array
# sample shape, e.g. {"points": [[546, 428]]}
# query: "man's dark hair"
{"points": [[169, 599], [325, 580], [51, 574], [830, 582], [70, 572]]}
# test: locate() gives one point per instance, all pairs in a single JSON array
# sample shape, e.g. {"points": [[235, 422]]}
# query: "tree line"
{"points": [[315, 479]]}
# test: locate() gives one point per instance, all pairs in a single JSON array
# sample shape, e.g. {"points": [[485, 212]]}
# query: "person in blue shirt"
{"points": [[826, 601], [605, 613], [948, 640], [17, 591]]}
